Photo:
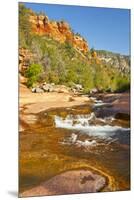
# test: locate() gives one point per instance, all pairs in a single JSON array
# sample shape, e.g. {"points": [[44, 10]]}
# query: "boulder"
{"points": [[77, 88], [33, 90], [38, 90], [93, 91], [69, 182], [47, 88], [74, 90]]}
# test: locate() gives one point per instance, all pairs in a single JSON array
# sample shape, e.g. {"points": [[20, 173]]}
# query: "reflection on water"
{"points": [[66, 139]]}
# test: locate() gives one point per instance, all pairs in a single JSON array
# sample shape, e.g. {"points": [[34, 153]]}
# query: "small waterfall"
{"points": [[74, 121], [84, 124]]}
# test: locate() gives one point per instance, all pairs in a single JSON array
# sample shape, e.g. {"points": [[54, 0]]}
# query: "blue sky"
{"points": [[103, 28]]}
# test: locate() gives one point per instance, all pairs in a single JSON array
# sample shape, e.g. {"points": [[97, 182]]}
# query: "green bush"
{"points": [[123, 84], [33, 74]]}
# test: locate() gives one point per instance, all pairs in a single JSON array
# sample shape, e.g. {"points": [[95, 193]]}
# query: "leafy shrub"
{"points": [[33, 73], [123, 84]]}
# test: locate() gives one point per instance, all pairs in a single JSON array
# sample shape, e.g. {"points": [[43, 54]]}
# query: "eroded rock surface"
{"points": [[70, 182], [59, 31]]}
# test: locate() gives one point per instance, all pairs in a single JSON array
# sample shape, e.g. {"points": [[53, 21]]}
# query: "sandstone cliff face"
{"points": [[59, 31], [24, 59]]}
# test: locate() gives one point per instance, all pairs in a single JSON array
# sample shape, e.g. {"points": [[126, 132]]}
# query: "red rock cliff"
{"points": [[59, 31]]}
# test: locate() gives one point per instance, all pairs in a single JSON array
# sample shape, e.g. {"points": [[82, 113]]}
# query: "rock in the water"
{"points": [[123, 116], [70, 182]]}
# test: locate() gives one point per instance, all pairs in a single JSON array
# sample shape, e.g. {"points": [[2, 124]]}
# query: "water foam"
{"points": [[82, 123], [73, 140]]}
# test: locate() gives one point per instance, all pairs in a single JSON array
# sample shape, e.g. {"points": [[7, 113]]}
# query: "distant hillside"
{"points": [[116, 60], [50, 52]]}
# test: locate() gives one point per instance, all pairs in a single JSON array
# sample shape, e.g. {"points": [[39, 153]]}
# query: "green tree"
{"points": [[33, 74]]}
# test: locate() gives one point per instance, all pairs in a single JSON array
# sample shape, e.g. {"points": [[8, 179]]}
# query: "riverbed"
{"points": [[90, 143]]}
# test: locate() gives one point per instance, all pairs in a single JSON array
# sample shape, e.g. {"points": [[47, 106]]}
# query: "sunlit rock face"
{"points": [[115, 60], [24, 58], [60, 31]]}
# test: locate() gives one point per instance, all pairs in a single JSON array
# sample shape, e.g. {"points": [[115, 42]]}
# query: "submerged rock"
{"points": [[70, 182], [123, 116]]}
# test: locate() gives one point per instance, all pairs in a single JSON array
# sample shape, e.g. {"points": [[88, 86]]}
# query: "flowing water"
{"points": [[74, 138]]}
